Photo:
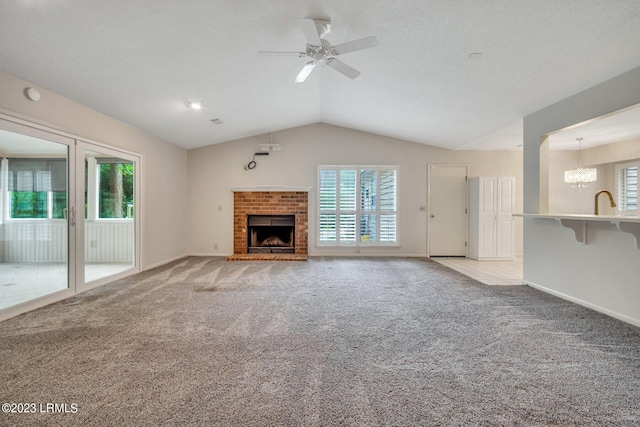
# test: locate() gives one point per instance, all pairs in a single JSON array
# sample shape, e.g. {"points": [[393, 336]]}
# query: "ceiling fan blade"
{"points": [[343, 68], [364, 43], [276, 52], [310, 31], [304, 73]]}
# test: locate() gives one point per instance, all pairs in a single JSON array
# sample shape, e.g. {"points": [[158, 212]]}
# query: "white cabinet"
{"points": [[491, 223]]}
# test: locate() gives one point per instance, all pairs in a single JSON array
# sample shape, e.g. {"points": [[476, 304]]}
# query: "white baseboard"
{"points": [[161, 263], [209, 254], [366, 255], [603, 310]]}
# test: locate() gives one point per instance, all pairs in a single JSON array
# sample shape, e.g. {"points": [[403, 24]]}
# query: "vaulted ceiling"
{"points": [[141, 61]]}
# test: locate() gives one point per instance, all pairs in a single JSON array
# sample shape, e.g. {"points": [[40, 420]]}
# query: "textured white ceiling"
{"points": [[141, 61]]}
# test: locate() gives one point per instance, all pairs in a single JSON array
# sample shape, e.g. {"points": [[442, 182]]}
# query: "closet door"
{"points": [[505, 226], [487, 213]]}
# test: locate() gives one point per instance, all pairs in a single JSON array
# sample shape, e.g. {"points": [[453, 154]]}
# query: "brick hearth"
{"points": [[270, 203]]}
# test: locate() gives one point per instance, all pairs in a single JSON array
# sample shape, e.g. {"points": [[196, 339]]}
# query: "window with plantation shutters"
{"points": [[357, 205], [627, 187]]}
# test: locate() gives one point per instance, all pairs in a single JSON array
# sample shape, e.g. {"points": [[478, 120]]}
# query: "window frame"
{"points": [[358, 212]]}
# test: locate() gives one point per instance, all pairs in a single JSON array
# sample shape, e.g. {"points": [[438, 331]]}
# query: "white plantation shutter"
{"points": [[368, 190], [348, 228], [328, 190], [388, 190], [328, 194], [347, 205], [388, 198], [327, 228], [348, 190], [357, 205], [628, 189], [388, 228]]}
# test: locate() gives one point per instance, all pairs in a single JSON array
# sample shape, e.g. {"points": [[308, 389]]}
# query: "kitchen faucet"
{"points": [[613, 204]]}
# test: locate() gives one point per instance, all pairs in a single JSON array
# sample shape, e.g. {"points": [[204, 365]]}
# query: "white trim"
{"points": [[33, 304], [166, 261], [624, 318], [35, 123], [277, 188], [370, 255], [209, 254]]}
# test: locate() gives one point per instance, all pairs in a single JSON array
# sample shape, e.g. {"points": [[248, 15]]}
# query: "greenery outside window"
{"points": [[115, 183]]}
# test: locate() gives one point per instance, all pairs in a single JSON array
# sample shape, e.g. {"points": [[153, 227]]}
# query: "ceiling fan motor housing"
{"points": [[323, 26]]}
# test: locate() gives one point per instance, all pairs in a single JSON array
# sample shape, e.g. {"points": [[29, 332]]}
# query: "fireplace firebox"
{"points": [[271, 234]]}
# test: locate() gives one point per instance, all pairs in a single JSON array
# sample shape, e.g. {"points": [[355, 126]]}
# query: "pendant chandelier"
{"points": [[580, 177]]}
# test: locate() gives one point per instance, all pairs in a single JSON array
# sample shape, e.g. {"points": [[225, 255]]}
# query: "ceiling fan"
{"points": [[319, 49]]}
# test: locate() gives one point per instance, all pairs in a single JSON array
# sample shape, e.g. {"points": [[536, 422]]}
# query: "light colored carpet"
{"points": [[407, 342]]}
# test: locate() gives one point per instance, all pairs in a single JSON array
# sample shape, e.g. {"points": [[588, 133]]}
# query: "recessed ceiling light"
{"points": [[195, 105], [216, 121], [475, 55]]}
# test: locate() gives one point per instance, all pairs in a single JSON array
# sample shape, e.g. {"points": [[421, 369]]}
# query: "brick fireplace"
{"points": [[262, 204]]}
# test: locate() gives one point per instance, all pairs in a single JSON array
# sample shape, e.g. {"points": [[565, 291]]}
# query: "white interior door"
{"points": [[447, 213]]}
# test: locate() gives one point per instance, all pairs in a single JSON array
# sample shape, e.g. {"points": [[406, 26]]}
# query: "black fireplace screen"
{"points": [[271, 234]]}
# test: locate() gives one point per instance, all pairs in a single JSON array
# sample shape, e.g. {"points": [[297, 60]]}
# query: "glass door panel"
{"points": [[109, 225], [34, 207]]}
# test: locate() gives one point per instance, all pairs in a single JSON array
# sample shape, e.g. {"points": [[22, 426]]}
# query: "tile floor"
{"points": [[20, 282], [488, 272]]}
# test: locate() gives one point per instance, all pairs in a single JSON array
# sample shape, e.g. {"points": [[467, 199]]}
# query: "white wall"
{"points": [[164, 165], [214, 169], [603, 274]]}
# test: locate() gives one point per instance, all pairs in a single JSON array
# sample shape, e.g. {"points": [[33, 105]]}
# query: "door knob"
{"points": [[433, 216]]}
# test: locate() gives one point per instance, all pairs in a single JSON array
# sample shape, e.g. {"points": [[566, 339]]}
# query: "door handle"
{"points": [[73, 216], [433, 216]]}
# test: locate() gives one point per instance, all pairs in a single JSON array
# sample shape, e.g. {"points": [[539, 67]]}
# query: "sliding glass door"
{"points": [[68, 217], [109, 212], [34, 214]]}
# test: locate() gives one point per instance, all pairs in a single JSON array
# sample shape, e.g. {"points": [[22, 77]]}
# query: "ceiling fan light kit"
{"points": [[321, 50]]}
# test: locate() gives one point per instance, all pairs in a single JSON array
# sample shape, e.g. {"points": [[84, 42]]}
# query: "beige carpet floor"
{"points": [[365, 342]]}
